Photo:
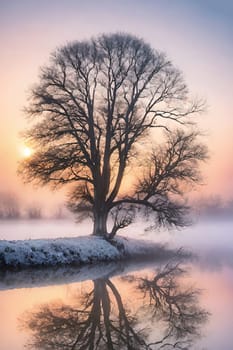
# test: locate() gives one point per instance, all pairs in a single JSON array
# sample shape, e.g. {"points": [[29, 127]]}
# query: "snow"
{"points": [[73, 251]]}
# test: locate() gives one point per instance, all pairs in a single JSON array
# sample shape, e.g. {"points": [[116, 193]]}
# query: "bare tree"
{"points": [[93, 111]]}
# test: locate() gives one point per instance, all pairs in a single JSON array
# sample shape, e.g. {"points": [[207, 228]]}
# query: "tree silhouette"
{"points": [[93, 112], [101, 320]]}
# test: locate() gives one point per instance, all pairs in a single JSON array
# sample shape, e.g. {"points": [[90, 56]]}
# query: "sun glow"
{"points": [[26, 152]]}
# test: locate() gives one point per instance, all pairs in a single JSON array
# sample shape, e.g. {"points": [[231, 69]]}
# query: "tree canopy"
{"points": [[108, 109]]}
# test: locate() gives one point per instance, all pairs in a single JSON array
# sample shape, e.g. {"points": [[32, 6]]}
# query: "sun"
{"points": [[26, 152]]}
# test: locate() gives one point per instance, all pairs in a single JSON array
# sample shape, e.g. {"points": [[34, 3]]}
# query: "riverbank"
{"points": [[76, 251]]}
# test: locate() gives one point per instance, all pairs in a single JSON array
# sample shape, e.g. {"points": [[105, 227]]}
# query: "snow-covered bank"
{"points": [[74, 251]]}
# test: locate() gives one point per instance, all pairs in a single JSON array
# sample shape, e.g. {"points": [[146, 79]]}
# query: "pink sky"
{"points": [[197, 37]]}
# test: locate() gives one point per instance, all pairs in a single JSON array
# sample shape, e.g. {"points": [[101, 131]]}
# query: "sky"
{"points": [[196, 35]]}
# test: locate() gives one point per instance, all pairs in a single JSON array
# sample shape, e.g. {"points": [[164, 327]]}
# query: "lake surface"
{"points": [[184, 303]]}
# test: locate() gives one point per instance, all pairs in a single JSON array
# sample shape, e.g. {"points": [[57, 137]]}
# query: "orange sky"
{"points": [[197, 37]]}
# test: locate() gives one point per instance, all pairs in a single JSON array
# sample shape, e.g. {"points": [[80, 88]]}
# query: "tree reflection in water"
{"points": [[101, 320]]}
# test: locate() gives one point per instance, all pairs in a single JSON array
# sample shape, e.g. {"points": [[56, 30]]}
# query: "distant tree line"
{"points": [[9, 206], [12, 209], [214, 206]]}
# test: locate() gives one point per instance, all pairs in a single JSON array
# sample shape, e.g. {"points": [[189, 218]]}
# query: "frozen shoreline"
{"points": [[75, 251]]}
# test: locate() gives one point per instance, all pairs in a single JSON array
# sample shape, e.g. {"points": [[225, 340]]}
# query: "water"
{"points": [[153, 305]]}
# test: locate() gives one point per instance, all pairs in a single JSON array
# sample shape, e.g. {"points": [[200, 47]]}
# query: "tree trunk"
{"points": [[100, 222]]}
